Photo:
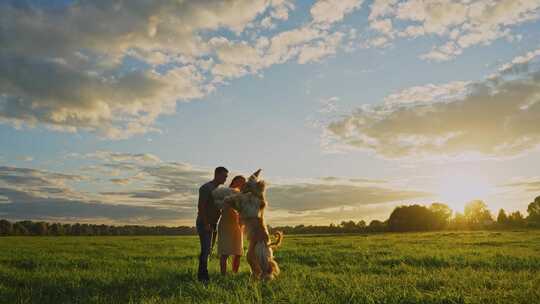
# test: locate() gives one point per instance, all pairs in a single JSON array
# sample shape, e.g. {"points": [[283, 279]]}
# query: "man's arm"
{"points": [[202, 206]]}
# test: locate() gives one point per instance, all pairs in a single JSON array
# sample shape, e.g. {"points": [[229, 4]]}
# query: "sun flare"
{"points": [[456, 190]]}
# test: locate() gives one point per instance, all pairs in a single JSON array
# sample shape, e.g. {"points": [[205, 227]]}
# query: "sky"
{"points": [[117, 111]]}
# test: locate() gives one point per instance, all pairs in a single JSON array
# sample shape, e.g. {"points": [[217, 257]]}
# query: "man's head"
{"points": [[220, 175]]}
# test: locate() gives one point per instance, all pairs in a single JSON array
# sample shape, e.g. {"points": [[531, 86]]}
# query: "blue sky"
{"points": [[350, 107]]}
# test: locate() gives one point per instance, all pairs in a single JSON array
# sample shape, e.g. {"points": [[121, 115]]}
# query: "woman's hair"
{"points": [[236, 179]]}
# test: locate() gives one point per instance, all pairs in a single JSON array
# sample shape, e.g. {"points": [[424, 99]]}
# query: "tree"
{"points": [[477, 214], [377, 226], [442, 214], [67, 229], [502, 219], [348, 225], [459, 222], [76, 229], [361, 224], [411, 218], [56, 229], [534, 210], [516, 219], [20, 229], [6, 228], [41, 228]]}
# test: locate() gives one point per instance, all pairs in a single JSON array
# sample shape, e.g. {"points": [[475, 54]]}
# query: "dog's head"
{"points": [[255, 185]]}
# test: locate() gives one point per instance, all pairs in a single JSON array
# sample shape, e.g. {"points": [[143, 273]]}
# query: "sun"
{"points": [[456, 190]]}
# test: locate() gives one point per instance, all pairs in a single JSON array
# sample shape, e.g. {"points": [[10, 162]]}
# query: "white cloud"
{"points": [[25, 158], [531, 184], [497, 118], [124, 157], [320, 49], [381, 8], [462, 23], [382, 25], [327, 12], [428, 93], [520, 62], [329, 105], [65, 69]]}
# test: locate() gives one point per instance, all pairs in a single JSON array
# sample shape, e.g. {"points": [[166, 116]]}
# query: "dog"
{"points": [[250, 204]]}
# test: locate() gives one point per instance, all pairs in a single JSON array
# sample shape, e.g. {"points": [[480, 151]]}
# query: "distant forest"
{"points": [[437, 216]]}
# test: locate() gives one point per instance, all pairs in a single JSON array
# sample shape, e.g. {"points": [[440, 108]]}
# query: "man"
{"points": [[207, 218]]}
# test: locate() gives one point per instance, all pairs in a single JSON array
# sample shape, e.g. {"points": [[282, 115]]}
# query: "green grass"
{"points": [[444, 267]]}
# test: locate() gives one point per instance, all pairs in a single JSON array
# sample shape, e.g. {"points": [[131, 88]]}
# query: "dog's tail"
{"points": [[279, 239]]}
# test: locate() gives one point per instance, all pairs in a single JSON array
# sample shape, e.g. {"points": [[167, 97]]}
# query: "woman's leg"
{"points": [[223, 263], [236, 263]]}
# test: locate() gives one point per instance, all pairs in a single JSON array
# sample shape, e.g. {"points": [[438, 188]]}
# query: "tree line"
{"points": [[56, 229], [437, 216]]}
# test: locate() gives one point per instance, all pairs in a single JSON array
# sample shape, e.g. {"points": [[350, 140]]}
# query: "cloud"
{"points": [[124, 157], [428, 93], [332, 215], [165, 185], [329, 105], [279, 11], [120, 181], [520, 63], [25, 158], [383, 26], [25, 206], [308, 43], [497, 117], [527, 184], [306, 196], [330, 11], [166, 193], [37, 184], [462, 24], [381, 8], [320, 49], [334, 199], [113, 67], [342, 180]]}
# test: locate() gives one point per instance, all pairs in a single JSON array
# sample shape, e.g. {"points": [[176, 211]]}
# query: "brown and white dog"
{"points": [[250, 204]]}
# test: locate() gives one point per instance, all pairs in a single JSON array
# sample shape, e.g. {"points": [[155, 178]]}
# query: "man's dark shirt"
{"points": [[205, 197]]}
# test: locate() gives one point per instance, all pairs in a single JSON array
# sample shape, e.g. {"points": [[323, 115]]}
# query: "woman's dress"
{"points": [[230, 239]]}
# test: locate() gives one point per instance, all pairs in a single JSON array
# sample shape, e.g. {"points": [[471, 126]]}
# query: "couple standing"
{"points": [[229, 230]]}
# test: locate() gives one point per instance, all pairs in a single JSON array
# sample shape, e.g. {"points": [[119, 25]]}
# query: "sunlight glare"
{"points": [[456, 190]]}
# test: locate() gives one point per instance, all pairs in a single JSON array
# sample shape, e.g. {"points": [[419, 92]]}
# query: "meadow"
{"points": [[438, 267]]}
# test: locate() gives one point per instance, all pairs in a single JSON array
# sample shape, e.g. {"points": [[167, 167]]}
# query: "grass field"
{"points": [[444, 267]]}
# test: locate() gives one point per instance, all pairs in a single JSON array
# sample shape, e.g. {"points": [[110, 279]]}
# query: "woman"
{"points": [[230, 240]]}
